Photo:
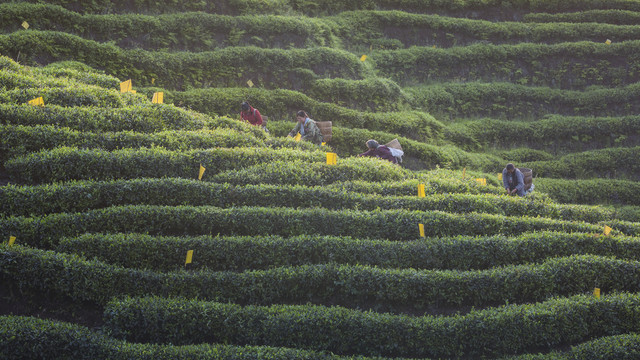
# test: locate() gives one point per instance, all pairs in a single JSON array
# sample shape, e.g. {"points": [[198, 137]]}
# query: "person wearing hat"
{"points": [[249, 114], [380, 151], [307, 129], [513, 180]]}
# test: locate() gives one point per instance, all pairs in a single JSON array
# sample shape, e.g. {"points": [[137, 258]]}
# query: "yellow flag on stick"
{"points": [[607, 230], [297, 137], [158, 98], [25, 25], [189, 257], [37, 101], [596, 292], [125, 86], [421, 190], [12, 239], [421, 228], [363, 58], [332, 158], [250, 83], [202, 169]]}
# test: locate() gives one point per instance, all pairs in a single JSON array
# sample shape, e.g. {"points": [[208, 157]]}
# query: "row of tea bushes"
{"points": [[25, 336], [358, 286], [205, 31], [510, 101], [487, 333], [356, 28], [68, 163], [554, 133], [34, 338], [611, 16], [272, 68], [619, 163], [85, 195], [241, 253], [490, 9], [573, 65], [20, 140], [399, 225]]}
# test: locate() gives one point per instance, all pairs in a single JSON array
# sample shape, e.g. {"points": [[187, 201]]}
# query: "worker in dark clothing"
{"points": [[379, 151], [513, 180]]}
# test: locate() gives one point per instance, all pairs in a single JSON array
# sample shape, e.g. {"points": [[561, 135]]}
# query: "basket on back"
{"points": [[325, 129], [394, 144], [528, 177]]}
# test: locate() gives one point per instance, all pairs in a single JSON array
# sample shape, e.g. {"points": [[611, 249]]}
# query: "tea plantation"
{"points": [[140, 229]]}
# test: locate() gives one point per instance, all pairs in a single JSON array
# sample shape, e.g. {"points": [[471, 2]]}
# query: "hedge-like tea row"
{"points": [[397, 225], [19, 140], [488, 333], [554, 133], [80, 196], [71, 96], [66, 163], [282, 104], [396, 290], [139, 118], [611, 16], [222, 253], [491, 9], [35, 338], [509, 101], [358, 28], [593, 191], [273, 68], [205, 31], [396, 29], [621, 163], [566, 65], [436, 182]]}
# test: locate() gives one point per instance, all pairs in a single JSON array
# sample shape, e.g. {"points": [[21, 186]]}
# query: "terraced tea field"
{"points": [[132, 229]]}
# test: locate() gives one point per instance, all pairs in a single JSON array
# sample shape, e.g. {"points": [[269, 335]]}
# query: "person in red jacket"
{"points": [[250, 114], [380, 151]]}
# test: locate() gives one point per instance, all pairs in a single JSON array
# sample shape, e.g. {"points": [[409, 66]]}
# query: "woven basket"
{"points": [[325, 129], [394, 144]]}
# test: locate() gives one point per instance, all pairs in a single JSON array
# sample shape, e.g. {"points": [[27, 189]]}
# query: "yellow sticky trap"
{"points": [[297, 137], [481, 181], [323, 144], [37, 101], [189, 257], [332, 158], [250, 83], [607, 230], [500, 176], [608, 42], [133, 91], [158, 98], [153, 81], [596, 292], [202, 169], [464, 172], [25, 25], [421, 228], [125, 86], [434, 46], [421, 190], [12, 239], [363, 58]]}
